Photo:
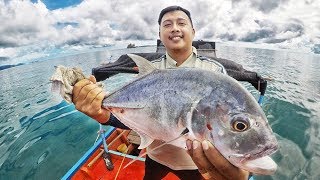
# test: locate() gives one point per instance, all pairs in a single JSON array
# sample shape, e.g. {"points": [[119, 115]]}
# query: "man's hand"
{"points": [[211, 164], [87, 97]]}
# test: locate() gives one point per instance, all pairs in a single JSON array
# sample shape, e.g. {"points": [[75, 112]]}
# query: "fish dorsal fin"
{"points": [[145, 140], [144, 66]]}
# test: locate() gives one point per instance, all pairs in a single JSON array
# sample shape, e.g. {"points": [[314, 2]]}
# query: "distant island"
{"points": [[131, 45]]}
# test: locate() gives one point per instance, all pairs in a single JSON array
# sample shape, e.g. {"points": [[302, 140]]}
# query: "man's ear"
{"points": [[193, 32]]}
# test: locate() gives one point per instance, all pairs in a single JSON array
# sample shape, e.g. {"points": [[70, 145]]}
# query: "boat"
{"points": [[99, 164], [117, 147]]}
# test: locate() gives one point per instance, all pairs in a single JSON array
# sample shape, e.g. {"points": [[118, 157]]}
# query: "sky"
{"points": [[280, 23]]}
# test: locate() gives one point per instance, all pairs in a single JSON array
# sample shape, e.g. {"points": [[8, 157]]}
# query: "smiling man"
{"points": [[176, 32], [201, 160]]}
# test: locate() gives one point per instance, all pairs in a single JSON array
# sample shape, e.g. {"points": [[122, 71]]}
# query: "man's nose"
{"points": [[175, 27]]}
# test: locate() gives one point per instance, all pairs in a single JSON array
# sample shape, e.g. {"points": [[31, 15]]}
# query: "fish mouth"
{"points": [[267, 150], [258, 162], [262, 166]]}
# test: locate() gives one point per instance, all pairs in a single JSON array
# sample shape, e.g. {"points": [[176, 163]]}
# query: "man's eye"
{"points": [[166, 25], [182, 24]]}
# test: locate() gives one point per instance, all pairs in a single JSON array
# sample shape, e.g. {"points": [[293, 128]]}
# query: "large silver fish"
{"points": [[161, 104]]}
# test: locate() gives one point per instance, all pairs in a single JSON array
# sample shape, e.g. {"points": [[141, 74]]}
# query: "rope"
{"points": [[125, 154]]}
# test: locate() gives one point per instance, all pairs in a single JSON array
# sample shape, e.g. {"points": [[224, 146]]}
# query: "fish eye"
{"points": [[240, 124]]}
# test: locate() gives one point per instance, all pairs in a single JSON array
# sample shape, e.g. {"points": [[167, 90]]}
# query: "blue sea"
{"points": [[42, 136]]}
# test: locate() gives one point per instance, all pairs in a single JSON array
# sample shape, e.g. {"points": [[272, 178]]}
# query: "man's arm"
{"points": [[87, 97], [211, 164]]}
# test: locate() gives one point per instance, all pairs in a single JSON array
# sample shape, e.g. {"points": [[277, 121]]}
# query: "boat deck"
{"points": [[95, 167]]}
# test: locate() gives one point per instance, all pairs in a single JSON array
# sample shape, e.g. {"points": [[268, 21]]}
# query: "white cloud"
{"points": [[23, 22], [106, 21]]}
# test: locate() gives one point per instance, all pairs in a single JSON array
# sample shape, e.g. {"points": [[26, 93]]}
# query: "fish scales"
{"points": [[165, 96]]}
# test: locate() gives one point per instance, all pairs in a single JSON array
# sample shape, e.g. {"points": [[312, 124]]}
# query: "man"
{"points": [[202, 159]]}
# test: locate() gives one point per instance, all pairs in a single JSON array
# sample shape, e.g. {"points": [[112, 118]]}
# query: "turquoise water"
{"points": [[292, 106], [41, 136]]}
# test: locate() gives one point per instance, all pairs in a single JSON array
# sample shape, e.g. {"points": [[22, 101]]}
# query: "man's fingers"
{"points": [[84, 93], [221, 163], [189, 146], [97, 101], [85, 97], [88, 97], [92, 79], [92, 92], [199, 156], [211, 164], [78, 87], [207, 169], [96, 108]]}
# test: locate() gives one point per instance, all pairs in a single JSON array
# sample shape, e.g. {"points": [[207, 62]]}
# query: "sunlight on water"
{"points": [[43, 136]]}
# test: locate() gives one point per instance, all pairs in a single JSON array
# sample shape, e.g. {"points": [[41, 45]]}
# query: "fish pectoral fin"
{"points": [[181, 143], [145, 140]]}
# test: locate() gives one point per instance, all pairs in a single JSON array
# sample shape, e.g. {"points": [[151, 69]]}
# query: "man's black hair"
{"points": [[174, 8]]}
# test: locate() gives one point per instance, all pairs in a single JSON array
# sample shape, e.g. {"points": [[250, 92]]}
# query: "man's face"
{"points": [[176, 31]]}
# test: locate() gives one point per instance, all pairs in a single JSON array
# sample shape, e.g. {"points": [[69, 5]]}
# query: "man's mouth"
{"points": [[176, 37]]}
